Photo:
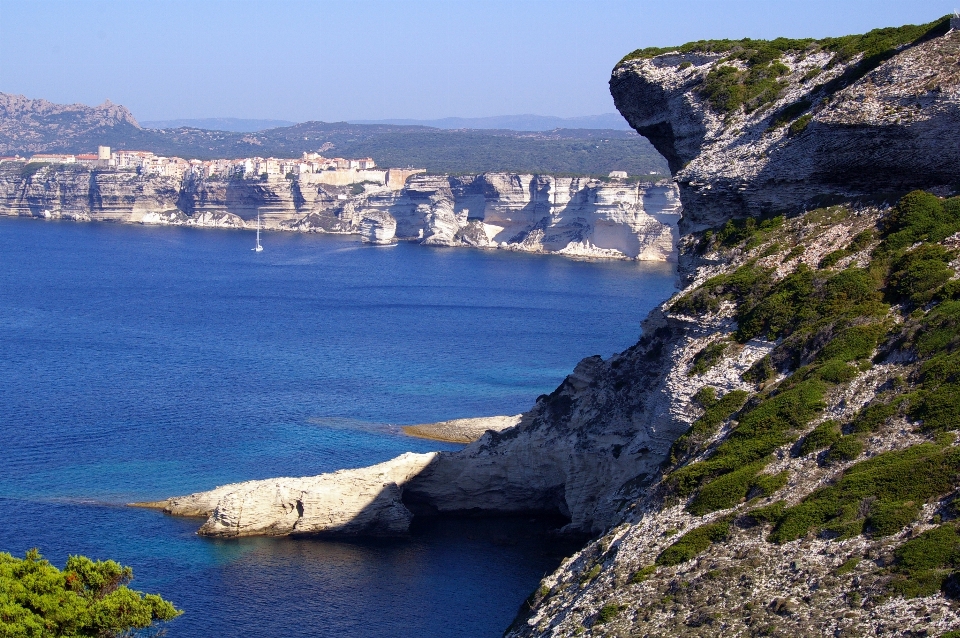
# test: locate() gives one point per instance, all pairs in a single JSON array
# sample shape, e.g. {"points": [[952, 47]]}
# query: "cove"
{"points": [[140, 363]]}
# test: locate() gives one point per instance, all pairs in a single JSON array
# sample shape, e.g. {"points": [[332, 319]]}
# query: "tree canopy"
{"points": [[87, 598]]}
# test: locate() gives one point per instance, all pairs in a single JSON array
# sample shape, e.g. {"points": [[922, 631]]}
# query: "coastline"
{"points": [[461, 430]]}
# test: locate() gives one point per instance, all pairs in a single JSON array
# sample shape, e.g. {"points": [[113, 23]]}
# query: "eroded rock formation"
{"points": [[891, 130], [577, 217]]}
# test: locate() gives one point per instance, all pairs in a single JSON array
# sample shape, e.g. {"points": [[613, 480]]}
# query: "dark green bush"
{"points": [[801, 124], [836, 371], [937, 409], [767, 484], [761, 430], [822, 436], [918, 274], [761, 371], [917, 474], [608, 612], [694, 542], [854, 343], [643, 573], [870, 418], [920, 216], [888, 518], [703, 428], [708, 357], [768, 513], [846, 448], [923, 563], [832, 258]]}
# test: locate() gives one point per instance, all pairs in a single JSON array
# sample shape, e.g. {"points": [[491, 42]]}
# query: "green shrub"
{"points": [[889, 518], [870, 418], [608, 612], [920, 216], [801, 124], [703, 428], [848, 566], [643, 573], [923, 563], [854, 343], [725, 491], [694, 542], [768, 484], [686, 64], [846, 448], [589, 575], [940, 329], [836, 371], [706, 397], [822, 436], [768, 513], [708, 357], [87, 598], [917, 474], [790, 112], [832, 258], [761, 430], [862, 240], [938, 409], [761, 371], [918, 274]]}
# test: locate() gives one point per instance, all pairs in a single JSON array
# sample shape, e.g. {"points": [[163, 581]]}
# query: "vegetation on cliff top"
{"points": [[749, 72], [87, 598]]}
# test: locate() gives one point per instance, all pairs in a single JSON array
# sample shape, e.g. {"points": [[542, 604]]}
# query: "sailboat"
{"points": [[258, 248]]}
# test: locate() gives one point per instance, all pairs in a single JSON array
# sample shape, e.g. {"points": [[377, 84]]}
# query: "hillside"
{"points": [[34, 126], [810, 365]]}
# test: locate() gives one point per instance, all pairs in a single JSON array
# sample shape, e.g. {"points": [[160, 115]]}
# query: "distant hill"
{"points": [[33, 126], [235, 124], [516, 122]]}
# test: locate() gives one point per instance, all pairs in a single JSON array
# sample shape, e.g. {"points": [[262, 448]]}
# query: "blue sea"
{"points": [[138, 363]]}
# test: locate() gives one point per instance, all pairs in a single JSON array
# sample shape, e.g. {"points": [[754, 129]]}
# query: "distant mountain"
{"points": [[613, 121], [234, 124], [35, 126]]}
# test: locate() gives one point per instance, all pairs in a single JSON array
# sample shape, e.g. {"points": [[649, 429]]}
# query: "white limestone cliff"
{"points": [[575, 217]]}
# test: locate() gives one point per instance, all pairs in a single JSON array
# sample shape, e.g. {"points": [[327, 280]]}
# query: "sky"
{"points": [[375, 59]]}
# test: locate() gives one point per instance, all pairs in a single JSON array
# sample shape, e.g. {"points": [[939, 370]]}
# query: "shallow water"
{"points": [[143, 362]]}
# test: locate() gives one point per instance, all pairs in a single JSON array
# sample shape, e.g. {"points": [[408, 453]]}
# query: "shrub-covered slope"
{"points": [[817, 499]]}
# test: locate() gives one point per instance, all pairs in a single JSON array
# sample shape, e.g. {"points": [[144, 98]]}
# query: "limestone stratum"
{"points": [[572, 216], [777, 455]]}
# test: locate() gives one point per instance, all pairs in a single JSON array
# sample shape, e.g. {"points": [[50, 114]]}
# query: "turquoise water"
{"points": [[140, 363]]}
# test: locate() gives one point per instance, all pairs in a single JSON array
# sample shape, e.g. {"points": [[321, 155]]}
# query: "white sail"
{"points": [[258, 248]]}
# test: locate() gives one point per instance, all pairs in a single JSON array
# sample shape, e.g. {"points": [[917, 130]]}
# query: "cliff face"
{"points": [[832, 129], [778, 455], [571, 216]]}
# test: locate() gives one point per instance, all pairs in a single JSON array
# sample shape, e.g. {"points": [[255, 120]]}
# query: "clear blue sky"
{"points": [[339, 60]]}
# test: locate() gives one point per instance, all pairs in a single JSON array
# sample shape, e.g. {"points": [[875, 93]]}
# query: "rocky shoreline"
{"points": [[575, 217]]}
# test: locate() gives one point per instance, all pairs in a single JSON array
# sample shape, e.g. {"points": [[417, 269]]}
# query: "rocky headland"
{"points": [[778, 453], [578, 217]]}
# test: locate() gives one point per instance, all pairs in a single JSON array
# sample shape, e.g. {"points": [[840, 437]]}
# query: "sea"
{"points": [[140, 362]]}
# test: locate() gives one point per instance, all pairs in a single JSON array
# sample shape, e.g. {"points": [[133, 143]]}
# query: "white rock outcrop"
{"points": [[364, 501]]}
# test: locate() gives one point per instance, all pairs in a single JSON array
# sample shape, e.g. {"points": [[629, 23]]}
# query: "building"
{"points": [[54, 158], [618, 175], [90, 160]]}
